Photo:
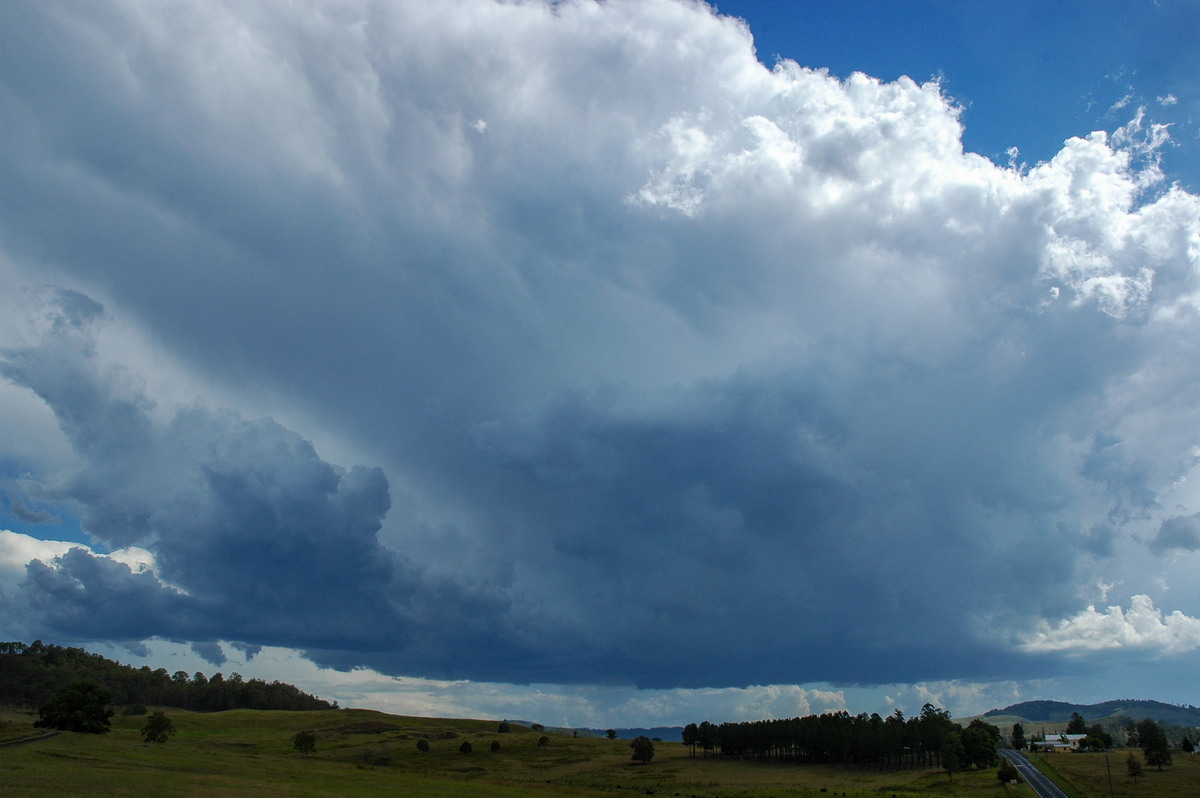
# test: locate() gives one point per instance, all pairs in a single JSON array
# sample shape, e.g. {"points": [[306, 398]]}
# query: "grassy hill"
{"points": [[361, 752]]}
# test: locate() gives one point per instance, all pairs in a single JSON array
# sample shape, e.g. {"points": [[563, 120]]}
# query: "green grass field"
{"points": [[1089, 776], [360, 752]]}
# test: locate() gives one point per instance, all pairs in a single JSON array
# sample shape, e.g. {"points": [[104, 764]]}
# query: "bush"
{"points": [[422, 745], [465, 747], [495, 746], [158, 728], [305, 742], [643, 748], [1008, 772]]}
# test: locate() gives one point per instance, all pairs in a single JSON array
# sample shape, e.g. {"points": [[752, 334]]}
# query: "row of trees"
{"points": [[926, 740], [30, 675]]}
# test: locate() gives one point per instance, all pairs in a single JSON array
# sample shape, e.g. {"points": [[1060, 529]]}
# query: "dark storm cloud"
{"points": [[647, 346], [1180, 533]]}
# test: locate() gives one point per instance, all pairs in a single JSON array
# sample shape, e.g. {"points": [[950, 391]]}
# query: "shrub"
{"points": [[158, 728], [305, 742]]}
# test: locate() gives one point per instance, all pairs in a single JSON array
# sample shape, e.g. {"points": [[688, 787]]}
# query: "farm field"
{"points": [[1087, 773], [361, 752]]}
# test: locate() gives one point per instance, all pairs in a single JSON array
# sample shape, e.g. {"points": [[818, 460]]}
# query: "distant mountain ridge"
{"points": [[1060, 711]]}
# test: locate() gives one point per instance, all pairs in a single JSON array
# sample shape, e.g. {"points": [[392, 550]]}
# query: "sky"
{"points": [[606, 364]]}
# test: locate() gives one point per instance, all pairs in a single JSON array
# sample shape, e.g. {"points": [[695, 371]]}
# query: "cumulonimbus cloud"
{"points": [[647, 344]]}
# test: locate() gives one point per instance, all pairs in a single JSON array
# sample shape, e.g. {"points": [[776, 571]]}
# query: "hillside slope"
{"points": [[1060, 711]]}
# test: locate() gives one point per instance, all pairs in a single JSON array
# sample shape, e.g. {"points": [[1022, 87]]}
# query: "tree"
{"points": [[1132, 766], [79, 707], [465, 747], [1008, 772], [1097, 738], [1076, 725], [979, 741], [158, 728], [643, 748], [706, 734], [537, 727], [611, 734], [1154, 743], [495, 746], [423, 745], [1018, 736], [305, 742], [691, 736], [953, 753], [543, 741], [1186, 745], [504, 728]]}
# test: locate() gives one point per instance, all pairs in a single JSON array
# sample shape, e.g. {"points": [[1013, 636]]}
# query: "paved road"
{"points": [[1032, 776]]}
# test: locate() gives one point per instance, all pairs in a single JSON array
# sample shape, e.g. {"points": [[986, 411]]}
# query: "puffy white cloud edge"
{"points": [[1143, 626]]}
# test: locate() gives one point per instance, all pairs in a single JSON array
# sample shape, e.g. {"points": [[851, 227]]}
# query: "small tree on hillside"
{"points": [[1018, 736], [422, 744], [1008, 772], [611, 734], [503, 728], [643, 748], [158, 728], [1133, 766], [465, 747], [1076, 725]]}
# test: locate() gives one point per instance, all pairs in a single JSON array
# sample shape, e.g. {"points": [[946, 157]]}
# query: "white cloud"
{"points": [[1142, 627]]}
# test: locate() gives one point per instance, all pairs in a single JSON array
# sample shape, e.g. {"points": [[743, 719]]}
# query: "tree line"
{"points": [[30, 675], [930, 739]]}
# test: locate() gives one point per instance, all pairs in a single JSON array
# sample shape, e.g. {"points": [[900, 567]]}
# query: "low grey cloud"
{"points": [[643, 344]]}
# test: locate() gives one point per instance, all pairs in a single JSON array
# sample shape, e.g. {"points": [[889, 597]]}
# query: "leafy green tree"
{"points": [[305, 742], [1076, 725], [1098, 739], [980, 740], [504, 728], [611, 734], [79, 707], [691, 736], [537, 727], [1154, 743], [1133, 766], [1186, 745], [953, 754], [1007, 772], [1018, 736], [465, 747], [706, 734], [543, 741], [423, 745], [643, 748], [158, 728]]}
